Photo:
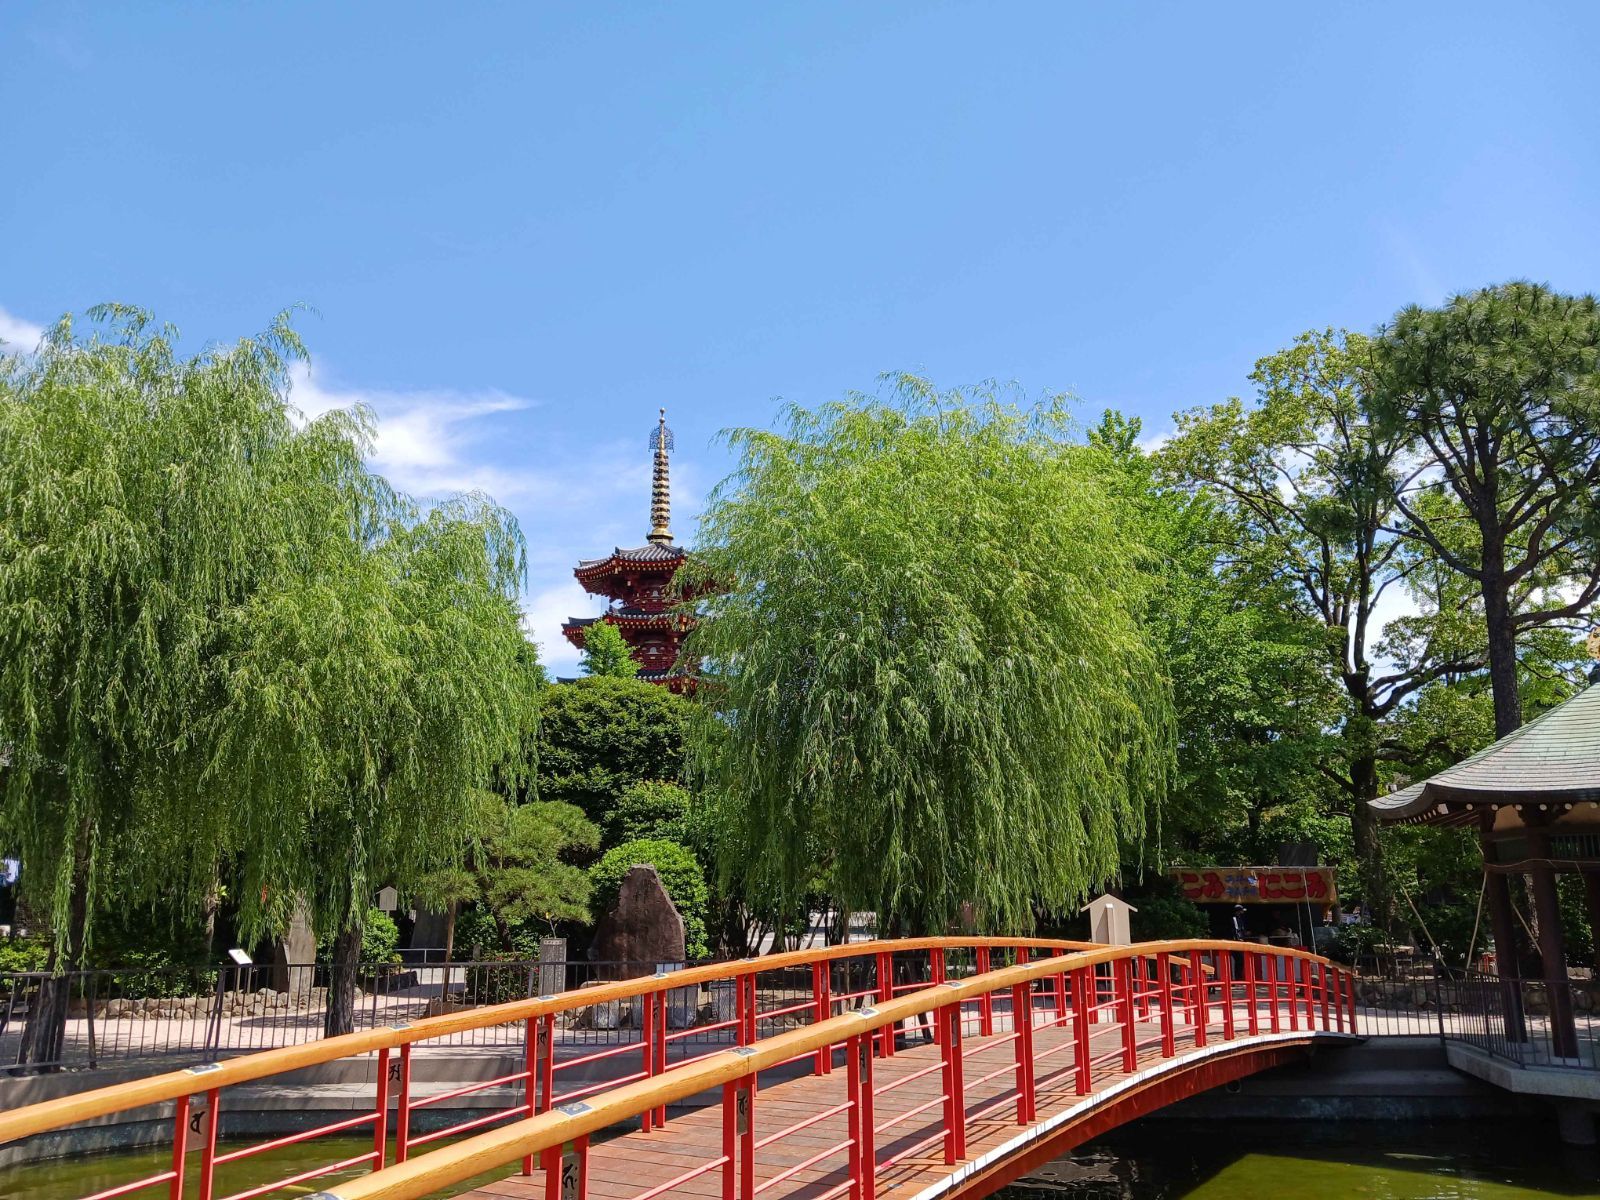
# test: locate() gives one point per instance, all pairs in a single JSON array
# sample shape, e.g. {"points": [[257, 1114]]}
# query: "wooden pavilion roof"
{"points": [[1552, 764]]}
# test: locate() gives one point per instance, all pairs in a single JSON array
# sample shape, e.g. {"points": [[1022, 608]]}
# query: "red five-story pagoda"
{"points": [[637, 581]]}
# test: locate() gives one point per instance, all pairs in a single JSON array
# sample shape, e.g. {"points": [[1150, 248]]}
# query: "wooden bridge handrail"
{"points": [[172, 1085], [438, 1169]]}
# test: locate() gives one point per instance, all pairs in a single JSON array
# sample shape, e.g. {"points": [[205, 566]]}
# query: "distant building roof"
{"points": [[1552, 760]]}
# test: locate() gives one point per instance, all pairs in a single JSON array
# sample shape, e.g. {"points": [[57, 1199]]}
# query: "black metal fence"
{"points": [[1510, 1019], [182, 1015], [166, 1018]]}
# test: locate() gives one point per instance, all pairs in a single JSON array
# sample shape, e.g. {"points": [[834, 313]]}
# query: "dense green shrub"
{"points": [[599, 734], [380, 938], [680, 875], [1162, 917], [651, 808], [24, 954]]}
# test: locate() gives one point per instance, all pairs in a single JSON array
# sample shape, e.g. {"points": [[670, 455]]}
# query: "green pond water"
{"points": [[1152, 1160]]}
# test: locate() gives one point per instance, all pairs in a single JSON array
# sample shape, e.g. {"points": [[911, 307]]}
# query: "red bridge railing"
{"points": [[768, 996], [1141, 1000]]}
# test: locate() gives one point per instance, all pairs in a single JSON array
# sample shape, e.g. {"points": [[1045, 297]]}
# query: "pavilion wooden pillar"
{"points": [[1503, 924], [1552, 949], [1591, 891]]}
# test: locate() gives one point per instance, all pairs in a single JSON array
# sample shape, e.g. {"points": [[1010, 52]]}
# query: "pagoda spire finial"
{"points": [[660, 489]]}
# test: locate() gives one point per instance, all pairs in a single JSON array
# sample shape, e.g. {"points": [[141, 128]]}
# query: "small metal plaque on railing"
{"points": [[952, 983], [204, 1068], [548, 996], [398, 1025], [866, 1012], [744, 1051], [575, 1109]]}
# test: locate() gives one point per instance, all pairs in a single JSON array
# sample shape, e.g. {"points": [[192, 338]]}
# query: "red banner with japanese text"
{"points": [[1256, 885]]}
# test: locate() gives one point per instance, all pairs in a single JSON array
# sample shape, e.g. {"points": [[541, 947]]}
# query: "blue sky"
{"points": [[525, 227]]}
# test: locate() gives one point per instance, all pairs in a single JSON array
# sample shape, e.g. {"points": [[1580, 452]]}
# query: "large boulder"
{"points": [[643, 929]]}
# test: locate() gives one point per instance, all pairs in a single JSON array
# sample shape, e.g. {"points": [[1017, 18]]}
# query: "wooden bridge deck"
{"points": [[625, 1166]]}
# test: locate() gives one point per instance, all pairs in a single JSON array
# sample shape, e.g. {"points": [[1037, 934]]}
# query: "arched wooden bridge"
{"points": [[914, 1068]]}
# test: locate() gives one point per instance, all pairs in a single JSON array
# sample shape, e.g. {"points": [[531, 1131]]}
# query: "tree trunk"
{"points": [[341, 1016], [1364, 832], [1502, 656], [44, 1035]]}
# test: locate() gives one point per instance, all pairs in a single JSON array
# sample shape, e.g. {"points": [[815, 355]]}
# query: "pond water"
{"points": [[1151, 1160], [1301, 1160]]}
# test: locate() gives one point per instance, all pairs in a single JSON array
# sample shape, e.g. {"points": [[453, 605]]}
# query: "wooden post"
{"points": [[1552, 949]]}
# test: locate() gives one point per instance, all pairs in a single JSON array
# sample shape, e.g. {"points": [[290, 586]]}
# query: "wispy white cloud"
{"points": [[1151, 442], [426, 440], [18, 333]]}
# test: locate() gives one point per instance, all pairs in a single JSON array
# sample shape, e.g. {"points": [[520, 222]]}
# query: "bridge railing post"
{"points": [[180, 1145], [1122, 981], [208, 1148], [1080, 1030], [1022, 1021], [1224, 960], [863, 1152], [885, 994], [986, 1001], [1060, 992], [566, 1170], [1291, 989], [730, 1139], [955, 1092], [822, 995], [380, 1115], [1252, 1015], [1350, 991], [1274, 967], [1322, 993], [1164, 983], [937, 967], [647, 1047], [1197, 996], [1308, 991]]}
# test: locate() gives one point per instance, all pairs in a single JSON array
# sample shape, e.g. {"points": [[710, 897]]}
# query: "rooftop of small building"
{"points": [[1552, 760]]}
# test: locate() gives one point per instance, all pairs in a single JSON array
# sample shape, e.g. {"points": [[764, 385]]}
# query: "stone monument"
{"points": [[642, 931]]}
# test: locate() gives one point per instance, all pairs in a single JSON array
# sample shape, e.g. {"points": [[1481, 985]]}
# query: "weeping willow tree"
{"points": [[225, 642], [142, 496], [363, 705], [928, 662]]}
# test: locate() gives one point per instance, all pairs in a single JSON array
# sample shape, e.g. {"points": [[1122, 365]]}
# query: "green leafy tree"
{"points": [[681, 875], [146, 501], [1499, 393], [599, 735], [930, 660], [363, 705], [605, 653], [1248, 690], [652, 808], [518, 868], [1306, 481]]}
